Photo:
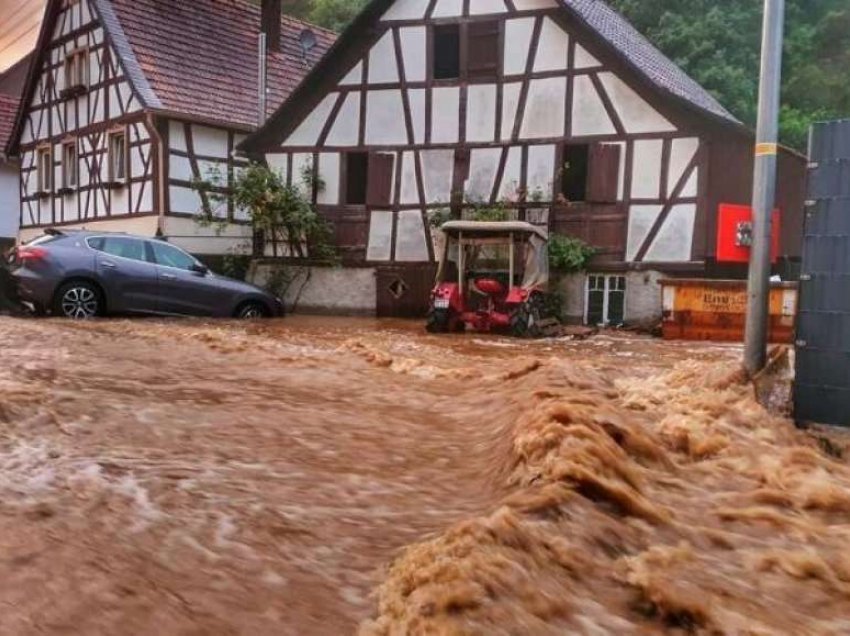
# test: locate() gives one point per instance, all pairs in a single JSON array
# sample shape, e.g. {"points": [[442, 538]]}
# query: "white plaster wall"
{"points": [[448, 8], [481, 113], [186, 233], [409, 188], [346, 128], [445, 115], [380, 236], [541, 170], [589, 116], [407, 10], [483, 165], [210, 142], [411, 246], [583, 59], [184, 200], [414, 52], [438, 170], [641, 220], [10, 200], [518, 32], [646, 173], [385, 118], [416, 98], [354, 77], [308, 131], [329, 173], [142, 226], [682, 152], [383, 67], [635, 113], [674, 241], [327, 290], [544, 111], [552, 48], [484, 7], [512, 176], [279, 162], [510, 103]]}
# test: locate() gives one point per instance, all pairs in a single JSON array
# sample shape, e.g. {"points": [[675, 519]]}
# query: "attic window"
{"points": [[76, 73], [470, 53], [447, 51]]}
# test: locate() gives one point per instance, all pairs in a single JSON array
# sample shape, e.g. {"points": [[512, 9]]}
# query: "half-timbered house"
{"points": [[558, 110], [129, 102]]}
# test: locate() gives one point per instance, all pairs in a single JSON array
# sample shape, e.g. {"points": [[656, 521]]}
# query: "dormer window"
{"points": [[76, 73], [44, 167]]}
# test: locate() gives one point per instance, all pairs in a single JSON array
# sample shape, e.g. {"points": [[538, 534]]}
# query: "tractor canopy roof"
{"points": [[493, 229]]}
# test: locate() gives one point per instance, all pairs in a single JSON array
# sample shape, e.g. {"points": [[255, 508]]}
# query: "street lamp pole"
{"points": [[764, 187]]}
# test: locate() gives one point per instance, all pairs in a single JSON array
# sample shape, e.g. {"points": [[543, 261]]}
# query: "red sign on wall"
{"points": [[734, 234]]}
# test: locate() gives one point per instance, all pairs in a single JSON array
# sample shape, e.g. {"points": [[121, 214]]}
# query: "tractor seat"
{"points": [[488, 287]]}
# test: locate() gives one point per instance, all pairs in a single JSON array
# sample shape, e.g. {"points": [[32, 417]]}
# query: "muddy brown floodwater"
{"points": [[319, 476]]}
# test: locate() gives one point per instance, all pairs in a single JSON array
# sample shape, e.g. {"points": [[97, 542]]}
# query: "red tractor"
{"points": [[492, 277]]}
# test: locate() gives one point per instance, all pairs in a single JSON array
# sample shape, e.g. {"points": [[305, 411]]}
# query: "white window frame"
{"points": [[45, 177], [111, 157], [606, 293], [74, 169]]}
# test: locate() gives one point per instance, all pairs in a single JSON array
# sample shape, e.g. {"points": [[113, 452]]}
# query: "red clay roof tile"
{"points": [[200, 57]]}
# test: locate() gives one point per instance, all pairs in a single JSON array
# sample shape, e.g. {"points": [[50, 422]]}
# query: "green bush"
{"points": [[568, 254]]}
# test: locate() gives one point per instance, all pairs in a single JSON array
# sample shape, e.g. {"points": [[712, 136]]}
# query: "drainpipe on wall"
{"points": [[262, 78], [161, 177]]}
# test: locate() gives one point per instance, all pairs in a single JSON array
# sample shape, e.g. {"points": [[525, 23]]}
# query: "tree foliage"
{"points": [[718, 43]]}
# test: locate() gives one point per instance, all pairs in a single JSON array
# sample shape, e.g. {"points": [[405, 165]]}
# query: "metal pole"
{"points": [[764, 187], [261, 80]]}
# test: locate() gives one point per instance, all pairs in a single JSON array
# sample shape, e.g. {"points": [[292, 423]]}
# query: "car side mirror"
{"points": [[203, 270]]}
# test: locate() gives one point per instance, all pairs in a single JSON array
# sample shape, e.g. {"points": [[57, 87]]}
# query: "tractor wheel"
{"points": [[438, 321], [525, 322]]}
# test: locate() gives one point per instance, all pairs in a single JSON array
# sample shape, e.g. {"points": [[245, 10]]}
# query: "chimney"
{"points": [[270, 24]]}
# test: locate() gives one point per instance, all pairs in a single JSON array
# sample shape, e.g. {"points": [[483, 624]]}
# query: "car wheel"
{"points": [[79, 301], [252, 311]]}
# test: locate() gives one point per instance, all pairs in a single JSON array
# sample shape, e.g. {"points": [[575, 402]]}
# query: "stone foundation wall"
{"points": [[643, 297], [349, 291]]}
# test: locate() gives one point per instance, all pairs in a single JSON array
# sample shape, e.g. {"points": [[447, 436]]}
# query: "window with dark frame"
{"points": [[77, 69], [446, 46], [356, 177], [482, 50], [606, 299], [117, 157], [45, 170], [70, 166], [575, 171], [369, 178]]}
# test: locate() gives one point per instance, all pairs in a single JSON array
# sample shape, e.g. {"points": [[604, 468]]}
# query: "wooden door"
{"points": [[404, 291]]}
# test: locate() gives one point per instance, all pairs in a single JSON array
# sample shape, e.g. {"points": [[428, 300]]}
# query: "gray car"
{"points": [[83, 274]]}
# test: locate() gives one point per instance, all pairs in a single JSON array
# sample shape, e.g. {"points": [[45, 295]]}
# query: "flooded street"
{"points": [[329, 476]]}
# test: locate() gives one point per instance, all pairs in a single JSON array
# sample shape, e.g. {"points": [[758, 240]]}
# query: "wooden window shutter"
{"points": [[380, 181], [603, 177], [483, 49]]}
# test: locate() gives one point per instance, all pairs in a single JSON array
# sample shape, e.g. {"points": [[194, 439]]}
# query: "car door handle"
{"points": [[169, 277], [108, 264]]}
